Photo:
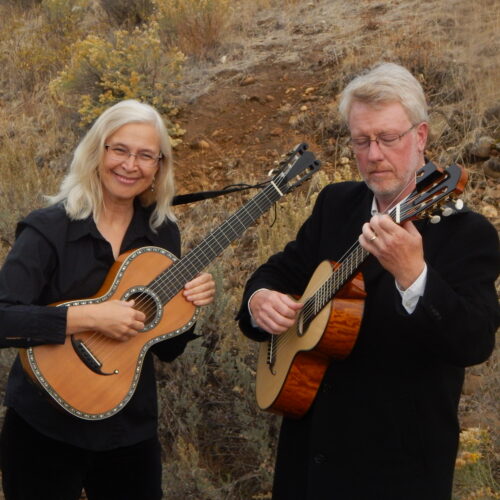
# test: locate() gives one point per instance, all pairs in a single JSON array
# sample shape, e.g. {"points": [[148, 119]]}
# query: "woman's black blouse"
{"points": [[57, 259]]}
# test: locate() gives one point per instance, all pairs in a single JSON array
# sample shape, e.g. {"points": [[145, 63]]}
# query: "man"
{"points": [[383, 425]]}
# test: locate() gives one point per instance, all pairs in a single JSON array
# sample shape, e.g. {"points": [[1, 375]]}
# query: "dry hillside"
{"points": [[268, 82]]}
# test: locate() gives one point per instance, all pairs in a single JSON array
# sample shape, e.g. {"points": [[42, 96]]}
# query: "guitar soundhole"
{"points": [[147, 303]]}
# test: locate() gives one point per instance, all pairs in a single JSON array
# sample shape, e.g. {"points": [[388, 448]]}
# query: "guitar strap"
{"points": [[183, 199]]}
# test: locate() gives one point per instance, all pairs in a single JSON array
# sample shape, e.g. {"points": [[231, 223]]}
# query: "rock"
{"points": [[482, 147], [492, 113], [489, 211], [491, 167], [438, 124], [200, 144], [275, 132], [303, 108], [248, 81]]}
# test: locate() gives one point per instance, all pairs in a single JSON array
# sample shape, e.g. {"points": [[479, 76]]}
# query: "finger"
{"points": [[290, 303], [368, 232], [139, 316], [200, 280], [410, 227], [288, 310], [383, 224], [201, 299], [275, 327], [206, 289]]}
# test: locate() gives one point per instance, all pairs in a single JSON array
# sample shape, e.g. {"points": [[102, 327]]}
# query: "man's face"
{"points": [[387, 168]]}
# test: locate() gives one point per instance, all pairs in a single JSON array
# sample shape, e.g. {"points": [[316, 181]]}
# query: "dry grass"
{"points": [[216, 443]]}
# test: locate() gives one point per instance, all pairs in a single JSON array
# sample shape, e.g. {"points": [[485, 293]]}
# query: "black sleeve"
{"points": [[26, 271], [459, 313]]}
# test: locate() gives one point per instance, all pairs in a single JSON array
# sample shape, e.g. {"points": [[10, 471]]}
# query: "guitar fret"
{"points": [[172, 280]]}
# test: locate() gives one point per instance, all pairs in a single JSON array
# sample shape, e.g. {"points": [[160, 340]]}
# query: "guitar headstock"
{"points": [[298, 166], [435, 188]]}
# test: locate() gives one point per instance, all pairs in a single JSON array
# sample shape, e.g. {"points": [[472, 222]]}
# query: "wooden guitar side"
{"points": [[78, 389], [290, 385]]}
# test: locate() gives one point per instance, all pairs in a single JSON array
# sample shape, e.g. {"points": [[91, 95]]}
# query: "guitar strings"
{"points": [[346, 266], [175, 274]]}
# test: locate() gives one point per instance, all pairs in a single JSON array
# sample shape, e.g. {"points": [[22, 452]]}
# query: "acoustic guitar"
{"points": [[92, 376], [291, 366]]}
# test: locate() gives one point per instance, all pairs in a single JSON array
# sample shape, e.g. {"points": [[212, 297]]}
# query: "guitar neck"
{"points": [[329, 288], [184, 270], [344, 271]]}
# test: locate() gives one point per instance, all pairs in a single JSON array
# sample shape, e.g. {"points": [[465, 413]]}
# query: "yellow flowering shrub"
{"points": [[474, 479], [127, 65]]}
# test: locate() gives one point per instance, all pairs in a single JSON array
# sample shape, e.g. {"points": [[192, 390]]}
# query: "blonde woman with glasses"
{"points": [[116, 197]]}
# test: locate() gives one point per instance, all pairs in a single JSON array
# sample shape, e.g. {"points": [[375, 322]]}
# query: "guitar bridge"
{"points": [[88, 358], [271, 353]]}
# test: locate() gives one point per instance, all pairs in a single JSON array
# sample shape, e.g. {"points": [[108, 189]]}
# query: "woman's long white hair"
{"points": [[81, 190]]}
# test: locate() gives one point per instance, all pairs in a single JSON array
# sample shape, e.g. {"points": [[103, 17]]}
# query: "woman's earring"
{"points": [[153, 185]]}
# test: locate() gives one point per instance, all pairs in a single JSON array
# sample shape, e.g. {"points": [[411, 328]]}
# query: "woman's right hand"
{"points": [[116, 319]]}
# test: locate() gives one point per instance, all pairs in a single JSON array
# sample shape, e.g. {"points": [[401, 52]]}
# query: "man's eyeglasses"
{"points": [[384, 139], [143, 158]]}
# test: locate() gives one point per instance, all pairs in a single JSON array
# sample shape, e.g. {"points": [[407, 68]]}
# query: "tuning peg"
{"points": [[435, 219], [447, 211], [459, 204]]}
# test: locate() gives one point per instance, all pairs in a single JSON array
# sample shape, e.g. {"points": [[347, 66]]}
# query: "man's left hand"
{"points": [[398, 248]]}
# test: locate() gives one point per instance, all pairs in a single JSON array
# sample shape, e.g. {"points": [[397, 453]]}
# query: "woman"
{"points": [[116, 197]]}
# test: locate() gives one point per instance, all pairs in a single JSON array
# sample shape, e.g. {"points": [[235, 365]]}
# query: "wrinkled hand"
{"points": [[273, 311], [201, 290], [115, 319], [398, 248]]}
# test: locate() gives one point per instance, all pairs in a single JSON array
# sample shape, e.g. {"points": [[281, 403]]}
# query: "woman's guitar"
{"points": [[291, 366], [93, 377]]}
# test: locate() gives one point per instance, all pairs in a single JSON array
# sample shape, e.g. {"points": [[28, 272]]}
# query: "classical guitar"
{"points": [[291, 366], [92, 376]]}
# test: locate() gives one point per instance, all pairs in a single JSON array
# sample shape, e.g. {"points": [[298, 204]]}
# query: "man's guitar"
{"points": [[92, 376], [291, 366]]}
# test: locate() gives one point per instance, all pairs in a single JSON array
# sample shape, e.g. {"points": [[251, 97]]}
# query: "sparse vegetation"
{"points": [[245, 80]]}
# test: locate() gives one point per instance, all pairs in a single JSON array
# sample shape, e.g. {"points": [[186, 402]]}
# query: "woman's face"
{"points": [[124, 176]]}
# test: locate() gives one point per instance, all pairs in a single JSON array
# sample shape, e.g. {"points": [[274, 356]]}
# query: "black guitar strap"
{"points": [[183, 199]]}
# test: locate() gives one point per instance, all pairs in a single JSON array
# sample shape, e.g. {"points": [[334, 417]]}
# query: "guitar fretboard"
{"points": [[347, 267], [172, 280]]}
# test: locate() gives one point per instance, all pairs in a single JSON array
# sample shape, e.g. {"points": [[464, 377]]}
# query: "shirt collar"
{"points": [[138, 228]]}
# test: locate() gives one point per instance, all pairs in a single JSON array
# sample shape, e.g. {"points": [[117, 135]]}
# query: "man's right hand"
{"points": [[273, 311]]}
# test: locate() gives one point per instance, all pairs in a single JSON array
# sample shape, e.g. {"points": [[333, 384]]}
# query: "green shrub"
{"points": [[129, 65]]}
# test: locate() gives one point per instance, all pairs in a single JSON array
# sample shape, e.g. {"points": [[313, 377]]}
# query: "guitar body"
{"points": [[289, 383], [92, 376]]}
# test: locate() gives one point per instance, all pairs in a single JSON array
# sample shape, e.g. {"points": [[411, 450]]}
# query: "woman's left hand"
{"points": [[201, 290]]}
